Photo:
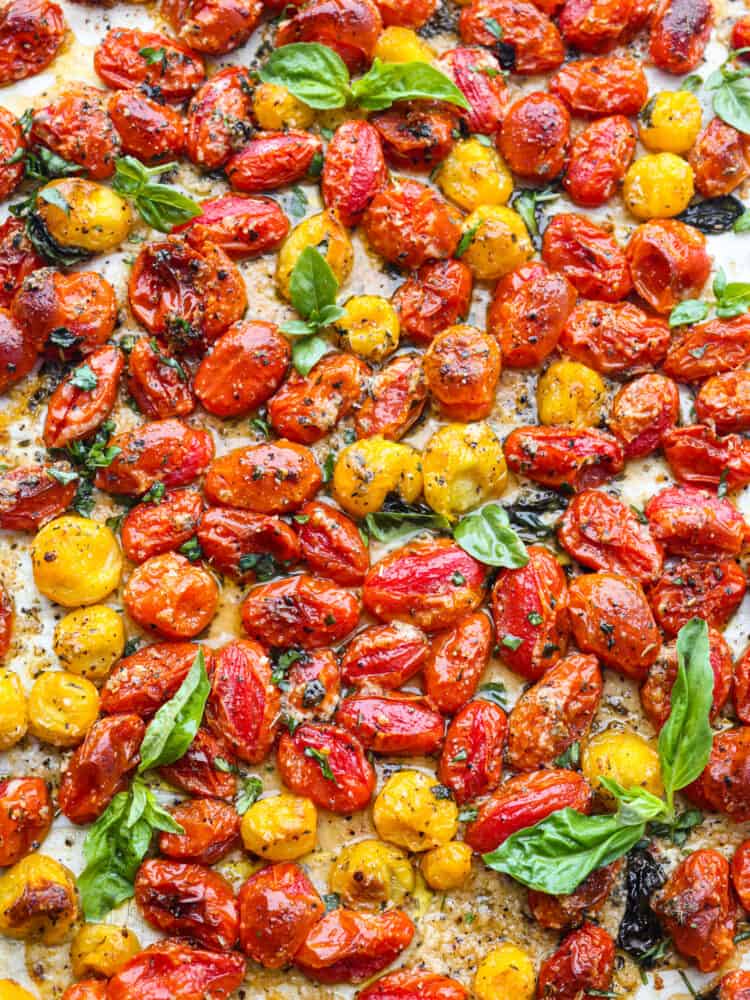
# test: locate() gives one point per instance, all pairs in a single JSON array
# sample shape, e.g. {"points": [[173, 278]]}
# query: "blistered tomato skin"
{"points": [[72, 413], [350, 946], [593, 25], [610, 617], [698, 456], [273, 478], [532, 43], [523, 801], [601, 532], [171, 596], [218, 120], [711, 589], [392, 724], [271, 160], [307, 759], [407, 984], [213, 26], [18, 258], [695, 523], [735, 986], [195, 772], [395, 399], [31, 34], [478, 75], [142, 682], [12, 149], [77, 127], [554, 713], [354, 171], [157, 382], [724, 784], [25, 817], [152, 528], [599, 158], [742, 687], [150, 131], [414, 138], [244, 704], [300, 611], [408, 224], [588, 256], [706, 349], [278, 907], [606, 85], [173, 968], [350, 27], [535, 136], [235, 541], [741, 873], [412, 14], [698, 908], [456, 661], [616, 339], [584, 961], [212, 830], [314, 682], [306, 408], [566, 912], [554, 456], [462, 368], [120, 63], [431, 584], [679, 34], [86, 989], [642, 411], [7, 621], [387, 655], [668, 262], [83, 302], [435, 297], [331, 544], [723, 402], [240, 225], [471, 764], [100, 767]]}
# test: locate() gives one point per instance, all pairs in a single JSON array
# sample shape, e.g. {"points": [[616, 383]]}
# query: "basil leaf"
{"points": [[692, 83], [160, 205], [385, 83], [635, 805], [398, 520], [47, 247], [713, 215], [487, 535], [313, 73], [313, 285], [688, 312], [495, 692], [734, 299], [686, 738], [297, 328], [249, 793], [742, 224], [527, 203], [307, 352], [173, 728], [84, 378], [732, 101]]}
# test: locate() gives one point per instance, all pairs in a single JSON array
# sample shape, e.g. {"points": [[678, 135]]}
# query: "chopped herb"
{"points": [[458, 579], [221, 764], [441, 792], [262, 564], [250, 792], [493, 26], [154, 56], [261, 426], [167, 361], [332, 901], [534, 618], [328, 467], [191, 549], [468, 815], [322, 759], [723, 483], [84, 378], [133, 643], [466, 240], [63, 476], [511, 641], [62, 337], [495, 692], [461, 755], [571, 758], [155, 493]]}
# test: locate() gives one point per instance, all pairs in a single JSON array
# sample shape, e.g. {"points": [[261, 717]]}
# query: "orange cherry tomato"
{"points": [[535, 136], [120, 62], [279, 906], [78, 128], [350, 27], [235, 542], [12, 149], [219, 118], [212, 830], [668, 262], [386, 655], [73, 412], [395, 399], [306, 408], [723, 402], [415, 137], [557, 456], [471, 764], [407, 223], [565, 912], [330, 544], [213, 27], [241, 226], [412, 14], [300, 611], [353, 172], [158, 383], [197, 773], [31, 495], [741, 873], [712, 590], [171, 596], [153, 527], [87, 989], [706, 349], [328, 765], [695, 523], [588, 256], [147, 129], [18, 258], [166, 451], [531, 43], [605, 85], [456, 661], [398, 724], [25, 817], [679, 34], [435, 297], [83, 302], [742, 687], [599, 158], [31, 33], [735, 985], [408, 984], [585, 960], [265, 478], [593, 25], [462, 368], [479, 77], [698, 456], [172, 968], [642, 411], [616, 339], [313, 684], [350, 946], [271, 160]]}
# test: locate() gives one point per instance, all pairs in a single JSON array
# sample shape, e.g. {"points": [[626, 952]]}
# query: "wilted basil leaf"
{"points": [[713, 215], [487, 535], [173, 728], [397, 519]]}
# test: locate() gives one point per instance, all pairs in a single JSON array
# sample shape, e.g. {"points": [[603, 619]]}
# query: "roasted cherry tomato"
{"points": [[18, 258], [328, 765], [212, 829], [741, 873], [408, 224], [555, 712], [462, 368], [565, 912], [408, 984], [77, 127], [553, 456], [679, 34], [387, 655], [350, 27], [246, 546], [392, 723], [610, 617], [472, 760], [593, 25], [668, 262], [415, 137], [601, 532], [171, 596], [720, 159], [279, 906], [713, 590], [87, 989], [350, 946], [706, 349], [331, 544], [271, 160], [478, 75], [395, 399], [266, 478], [584, 961], [313, 683], [742, 687], [188, 900], [698, 456], [74, 411], [535, 136], [101, 767], [306, 408], [529, 608], [219, 118], [436, 297], [25, 817], [642, 411], [212, 26], [120, 62], [84, 303], [740, 38], [7, 620], [724, 785], [431, 584], [31, 33], [698, 909], [735, 986], [300, 611], [172, 968], [166, 451], [31, 495], [607, 85], [695, 523], [153, 527], [525, 800], [723, 402], [196, 771], [588, 256], [143, 681], [354, 171], [456, 661], [239, 225], [12, 150], [243, 706], [616, 339], [531, 43], [599, 158], [147, 129], [411, 14], [158, 382]]}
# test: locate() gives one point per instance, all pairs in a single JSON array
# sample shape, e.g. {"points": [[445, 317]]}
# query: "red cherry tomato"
{"points": [[617, 339], [212, 830], [392, 723], [31, 33], [588, 256], [271, 160], [535, 136], [479, 77], [606, 85], [197, 773], [584, 961], [306, 408], [148, 130], [462, 368], [408, 224], [724, 785], [300, 611], [414, 137], [599, 158], [83, 302], [735, 986], [87, 989], [723, 402], [142, 682], [265, 478], [350, 27], [529, 44], [706, 349], [396, 396], [471, 764], [244, 545], [695, 523], [656, 693], [328, 765], [330, 544], [408, 984], [698, 456], [171, 596], [219, 118], [77, 127], [279, 906], [593, 25], [25, 817], [742, 687], [74, 412], [213, 26], [354, 171], [411, 14], [433, 298], [741, 873], [349, 946], [120, 62], [387, 655], [158, 382], [31, 495], [12, 151], [313, 683], [166, 451], [18, 258], [642, 411], [679, 34], [668, 262], [568, 911], [557, 456], [172, 968], [456, 661], [712, 590]]}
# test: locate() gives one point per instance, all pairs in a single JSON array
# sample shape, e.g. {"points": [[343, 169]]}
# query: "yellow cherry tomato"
{"points": [[276, 109], [496, 241], [622, 756], [658, 186], [280, 828], [505, 973], [368, 470], [102, 950], [371, 873], [10, 990], [448, 866], [408, 813], [320, 231], [473, 174], [38, 900], [76, 560], [89, 640], [399, 45], [463, 466], [369, 327], [670, 122], [79, 213], [14, 712], [62, 708], [570, 393]]}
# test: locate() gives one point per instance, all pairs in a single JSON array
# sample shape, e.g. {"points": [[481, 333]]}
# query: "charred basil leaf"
{"points": [[640, 931], [397, 519], [714, 215], [48, 248]]}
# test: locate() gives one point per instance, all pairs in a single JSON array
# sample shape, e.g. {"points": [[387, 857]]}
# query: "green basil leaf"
{"points": [[686, 738], [307, 352], [314, 73], [162, 207], [527, 203], [312, 285], [734, 300], [250, 792], [688, 312], [130, 176], [47, 247], [692, 83], [494, 691], [173, 728], [398, 520], [84, 378], [467, 238], [742, 225], [635, 805], [298, 328], [386, 83], [102, 888], [732, 102], [487, 535]]}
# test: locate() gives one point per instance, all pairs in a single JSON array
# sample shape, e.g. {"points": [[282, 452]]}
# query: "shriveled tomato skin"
{"points": [[271, 160], [698, 456], [241, 225], [83, 302], [314, 682], [31, 33], [527, 313], [25, 817], [18, 258], [273, 478], [172, 968], [679, 33], [698, 908], [72, 413], [354, 171], [392, 723], [331, 544], [12, 150], [100, 767], [350, 27], [408, 224], [588, 256], [462, 368], [244, 704], [167, 451], [605, 85], [18, 353], [77, 127], [412, 14], [395, 399], [558, 710], [306, 408], [189, 900], [408, 984], [147, 129], [533, 41], [599, 158], [568, 911], [212, 830], [226, 535], [478, 75], [668, 262], [535, 136], [350, 946], [219, 118], [706, 349], [435, 297], [471, 764], [525, 800], [593, 25], [720, 159], [300, 611], [171, 596], [724, 785], [520, 598], [214, 27], [142, 682], [456, 661], [386, 655], [431, 584], [279, 905], [157, 382], [616, 339], [119, 62], [30, 496], [196, 772], [723, 402], [414, 137], [695, 523], [740, 869], [601, 532], [585, 960], [556, 456], [353, 776], [742, 687], [642, 411], [710, 589], [735, 986]]}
